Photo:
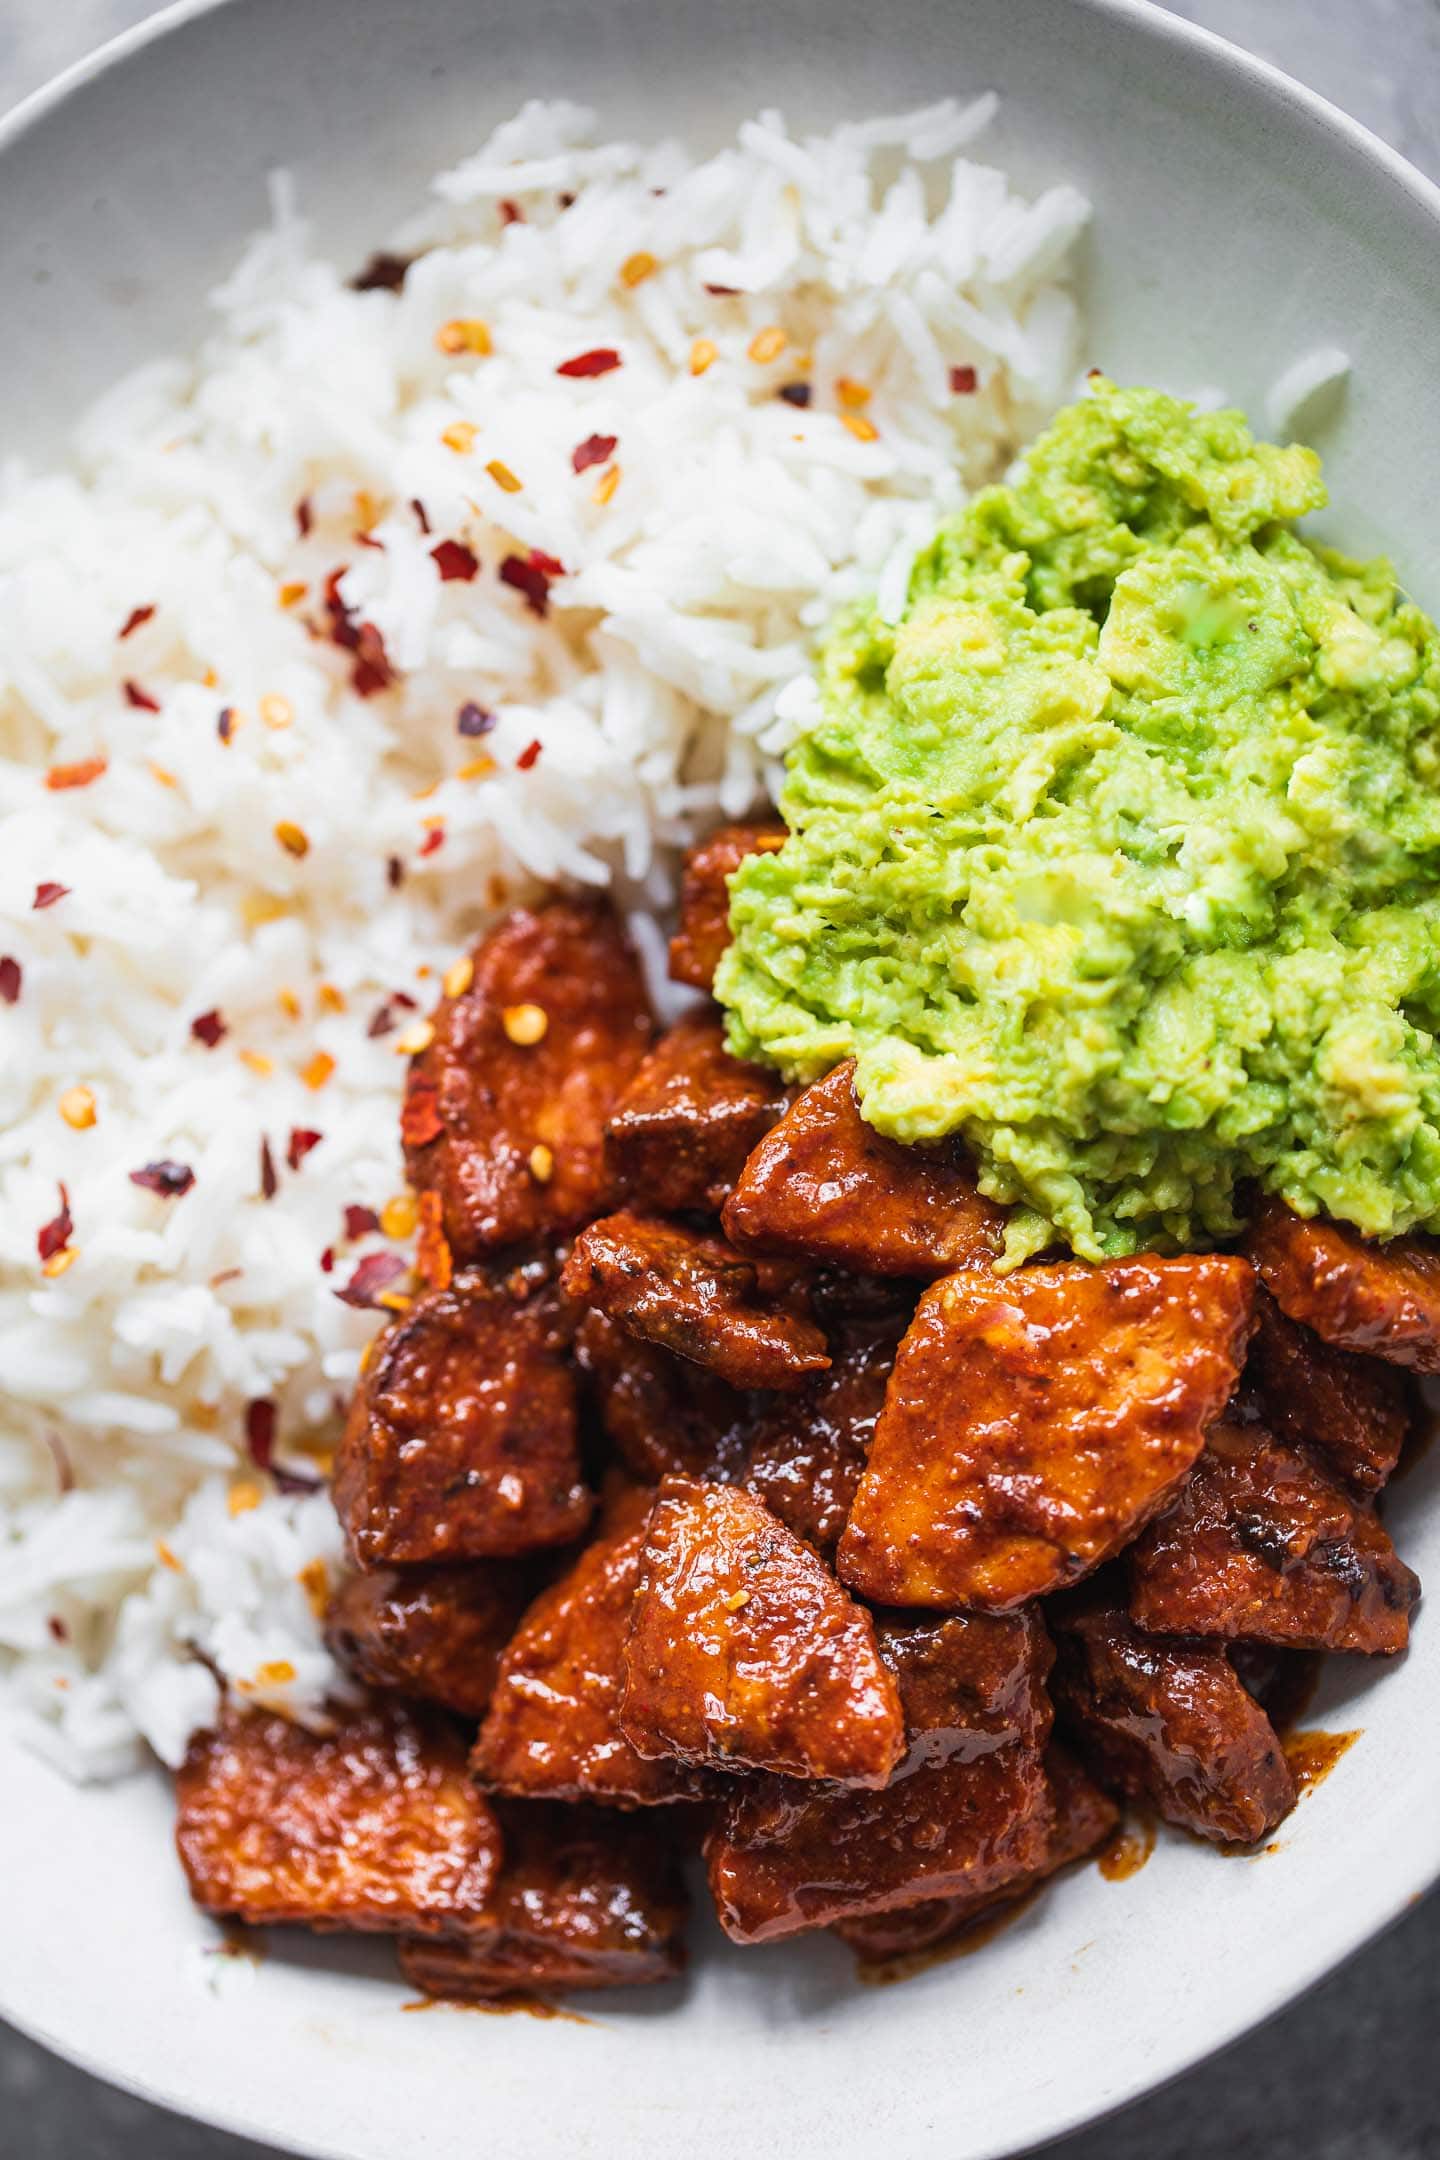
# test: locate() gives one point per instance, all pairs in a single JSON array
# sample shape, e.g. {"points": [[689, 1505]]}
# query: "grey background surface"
{"points": [[1352, 2072]]}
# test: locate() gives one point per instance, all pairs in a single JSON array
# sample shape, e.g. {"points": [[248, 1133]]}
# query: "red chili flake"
{"points": [[260, 1423], [600, 360], [454, 561], [11, 978], [963, 380], [209, 1029], [420, 518], [394, 872], [595, 450], [532, 576], [529, 756], [474, 720], [360, 1221], [55, 1235], [384, 272], [57, 1628], [722, 292], [140, 699], [565, 201], [372, 670], [304, 517], [420, 1119], [171, 1180], [384, 1021], [269, 1181], [327, 1261], [434, 840], [511, 213], [135, 620], [375, 1273], [302, 1140], [364, 539], [79, 775], [225, 722], [47, 893], [795, 393]]}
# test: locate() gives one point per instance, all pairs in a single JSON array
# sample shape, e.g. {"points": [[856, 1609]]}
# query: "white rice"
{"points": [[670, 669]]}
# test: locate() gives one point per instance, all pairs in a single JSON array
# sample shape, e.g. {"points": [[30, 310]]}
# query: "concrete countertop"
{"points": [[1349, 2073]]}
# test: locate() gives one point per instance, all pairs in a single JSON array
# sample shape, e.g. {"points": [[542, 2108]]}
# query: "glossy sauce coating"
{"points": [[497, 1082], [967, 1812], [553, 1727], [373, 1826], [1263, 1545], [432, 1632], [1168, 1722], [744, 1652], [662, 1414], [808, 1448], [1355, 1411], [825, 1184], [704, 932], [586, 1899], [680, 1134], [1380, 1299], [461, 1443], [1032, 1424], [1083, 1816], [692, 1294]]}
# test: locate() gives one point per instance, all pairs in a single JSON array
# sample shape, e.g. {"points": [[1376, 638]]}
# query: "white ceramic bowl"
{"points": [[1239, 223]]}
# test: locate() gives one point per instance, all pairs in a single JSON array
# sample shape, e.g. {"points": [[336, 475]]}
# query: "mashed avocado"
{"points": [[1119, 853]]}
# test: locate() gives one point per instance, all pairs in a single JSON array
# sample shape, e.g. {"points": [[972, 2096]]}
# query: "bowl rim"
{"points": [[1143, 18]]}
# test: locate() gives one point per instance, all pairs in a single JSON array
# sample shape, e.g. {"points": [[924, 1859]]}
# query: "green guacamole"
{"points": [[1118, 854]]}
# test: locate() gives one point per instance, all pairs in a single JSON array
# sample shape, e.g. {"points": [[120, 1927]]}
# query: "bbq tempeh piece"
{"points": [[505, 1111], [808, 1448], [662, 1414], [1380, 1299], [374, 1825], [586, 1899], [1354, 1410], [553, 1727], [1033, 1424], [704, 932], [1263, 1545], [1169, 1722], [461, 1441], [693, 1295], [432, 1632], [744, 1651], [826, 1184], [967, 1813], [1084, 1816], [680, 1134]]}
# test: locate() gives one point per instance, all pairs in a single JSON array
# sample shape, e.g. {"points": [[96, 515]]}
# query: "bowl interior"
{"points": [[1238, 225]]}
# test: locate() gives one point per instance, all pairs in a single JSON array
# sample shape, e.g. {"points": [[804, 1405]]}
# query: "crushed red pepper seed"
{"points": [[135, 620], [302, 1140], [600, 360], [209, 1028], [11, 977], [433, 841], [171, 1180], [47, 893], [140, 699], [375, 1273], [53, 1237], [595, 450], [304, 517], [269, 1178], [420, 518], [225, 723], [78, 775], [394, 872], [455, 562]]}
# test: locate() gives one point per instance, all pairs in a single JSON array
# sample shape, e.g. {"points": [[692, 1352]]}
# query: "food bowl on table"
{"points": [[1244, 238]]}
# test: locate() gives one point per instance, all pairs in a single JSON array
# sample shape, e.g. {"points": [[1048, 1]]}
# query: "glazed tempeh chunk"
{"points": [[1169, 1723], [373, 1826], [1262, 1545], [432, 1632], [744, 1651], [809, 1448], [1033, 1424], [826, 1184], [553, 1727], [680, 1134], [662, 1414], [505, 1111], [586, 1899], [1379, 1299], [967, 1813], [461, 1440], [692, 1294], [704, 932], [1083, 1817], [1353, 1410]]}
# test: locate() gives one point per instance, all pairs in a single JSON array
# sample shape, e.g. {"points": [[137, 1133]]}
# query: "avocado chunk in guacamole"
{"points": [[1118, 855]]}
